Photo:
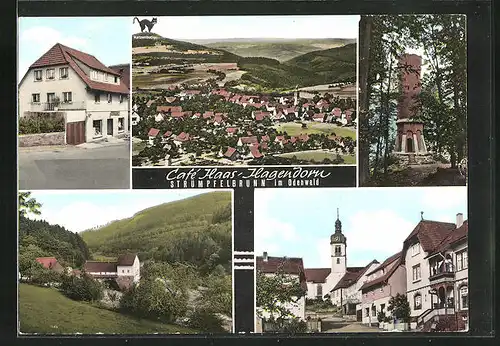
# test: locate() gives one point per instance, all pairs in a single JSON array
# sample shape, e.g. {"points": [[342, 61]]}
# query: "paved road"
{"points": [[68, 167]]}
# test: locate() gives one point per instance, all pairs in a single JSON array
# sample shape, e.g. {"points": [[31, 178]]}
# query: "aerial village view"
{"points": [[244, 91]]}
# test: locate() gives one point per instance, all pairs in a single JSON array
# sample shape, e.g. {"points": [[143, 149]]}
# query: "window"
{"points": [[97, 97], [67, 97], [415, 249], [417, 275], [128, 271], [38, 75], [417, 301], [51, 73], [374, 311], [123, 270], [35, 98], [94, 75], [464, 297], [382, 307], [121, 98], [462, 260], [116, 79], [97, 124], [367, 312], [121, 124], [110, 98], [337, 250], [319, 290], [63, 72], [338, 260]]}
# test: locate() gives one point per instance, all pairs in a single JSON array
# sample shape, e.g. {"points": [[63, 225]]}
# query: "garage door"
{"points": [[75, 132]]}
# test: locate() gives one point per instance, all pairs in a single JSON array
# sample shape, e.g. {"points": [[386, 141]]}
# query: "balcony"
{"points": [[54, 107], [444, 274]]}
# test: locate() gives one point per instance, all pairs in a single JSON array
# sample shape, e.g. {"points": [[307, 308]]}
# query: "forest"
{"points": [[442, 102]]}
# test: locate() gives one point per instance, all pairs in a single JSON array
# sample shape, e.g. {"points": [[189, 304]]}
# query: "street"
{"points": [[87, 166]]}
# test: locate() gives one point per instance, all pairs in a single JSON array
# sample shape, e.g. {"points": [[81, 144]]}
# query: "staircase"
{"points": [[442, 323]]}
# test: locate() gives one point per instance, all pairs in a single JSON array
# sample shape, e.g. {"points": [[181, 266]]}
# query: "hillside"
{"points": [[318, 67], [279, 49], [334, 64], [41, 239], [45, 310], [160, 50], [196, 230]]}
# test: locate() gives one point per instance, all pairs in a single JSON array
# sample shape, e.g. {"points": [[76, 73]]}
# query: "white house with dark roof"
{"points": [[93, 98], [126, 269]]}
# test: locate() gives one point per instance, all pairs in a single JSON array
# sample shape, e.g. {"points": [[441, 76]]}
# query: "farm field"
{"points": [[294, 129], [318, 156]]}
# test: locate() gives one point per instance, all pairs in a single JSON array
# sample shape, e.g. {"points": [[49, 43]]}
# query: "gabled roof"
{"points": [[62, 55], [452, 238], [127, 259], [153, 132], [394, 258], [229, 152], [317, 275], [47, 262], [289, 265], [430, 234], [352, 276], [124, 71], [99, 267]]}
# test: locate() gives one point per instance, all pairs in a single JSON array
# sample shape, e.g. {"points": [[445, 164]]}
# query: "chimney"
{"points": [[264, 256], [460, 220]]}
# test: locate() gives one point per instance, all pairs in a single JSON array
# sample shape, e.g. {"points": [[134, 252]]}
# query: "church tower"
{"points": [[296, 96], [338, 249]]}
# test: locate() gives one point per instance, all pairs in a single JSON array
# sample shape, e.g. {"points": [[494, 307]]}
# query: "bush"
{"points": [[203, 319], [41, 124], [83, 288]]}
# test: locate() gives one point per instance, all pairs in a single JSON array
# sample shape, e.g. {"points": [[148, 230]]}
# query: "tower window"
{"points": [[338, 260], [338, 251]]}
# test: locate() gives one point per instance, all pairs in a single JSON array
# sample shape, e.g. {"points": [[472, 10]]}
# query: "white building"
{"points": [[436, 261], [92, 97], [126, 269]]}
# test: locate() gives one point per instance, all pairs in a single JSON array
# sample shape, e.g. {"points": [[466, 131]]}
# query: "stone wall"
{"points": [[55, 138]]}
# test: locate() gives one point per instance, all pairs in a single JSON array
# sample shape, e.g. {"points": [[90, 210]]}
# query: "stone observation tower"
{"points": [[410, 142]]}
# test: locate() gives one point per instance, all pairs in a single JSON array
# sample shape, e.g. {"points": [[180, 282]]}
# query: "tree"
{"points": [[28, 204], [400, 307], [274, 293]]}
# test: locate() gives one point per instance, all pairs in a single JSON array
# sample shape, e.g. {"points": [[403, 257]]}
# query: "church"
{"points": [[339, 283]]}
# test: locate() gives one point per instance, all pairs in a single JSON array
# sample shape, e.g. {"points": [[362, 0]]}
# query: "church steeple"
{"points": [[338, 237]]}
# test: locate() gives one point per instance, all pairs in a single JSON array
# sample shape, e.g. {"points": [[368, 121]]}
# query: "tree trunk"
{"points": [[386, 119], [365, 33]]}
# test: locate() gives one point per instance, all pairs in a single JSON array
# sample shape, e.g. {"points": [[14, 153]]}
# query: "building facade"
{"points": [[92, 98], [125, 270]]}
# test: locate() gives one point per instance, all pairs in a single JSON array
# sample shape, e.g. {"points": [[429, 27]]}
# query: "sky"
{"points": [[220, 27], [376, 221], [107, 38], [79, 210]]}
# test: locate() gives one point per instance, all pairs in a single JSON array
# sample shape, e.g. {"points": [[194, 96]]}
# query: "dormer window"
{"points": [[94, 75], [51, 74], [63, 72], [38, 75]]}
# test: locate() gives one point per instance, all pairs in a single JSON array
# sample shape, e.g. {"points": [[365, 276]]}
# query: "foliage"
{"points": [[83, 288], [275, 292], [400, 307], [222, 215], [381, 317], [41, 124], [45, 310], [206, 320], [40, 239], [28, 204]]}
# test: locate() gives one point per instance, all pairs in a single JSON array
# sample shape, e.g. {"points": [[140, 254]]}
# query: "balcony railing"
{"points": [[52, 106], [450, 304], [443, 272]]}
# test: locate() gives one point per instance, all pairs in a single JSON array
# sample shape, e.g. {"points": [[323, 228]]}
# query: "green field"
{"points": [[294, 129], [319, 156], [45, 310]]}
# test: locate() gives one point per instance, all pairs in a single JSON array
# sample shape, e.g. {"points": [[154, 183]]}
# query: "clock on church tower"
{"points": [[338, 248]]}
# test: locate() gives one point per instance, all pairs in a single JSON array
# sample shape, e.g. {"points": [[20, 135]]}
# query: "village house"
{"points": [[125, 270], [92, 97], [385, 281], [152, 135], [316, 279], [293, 268], [51, 263], [231, 154], [436, 261]]}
